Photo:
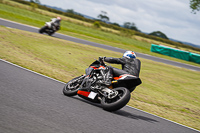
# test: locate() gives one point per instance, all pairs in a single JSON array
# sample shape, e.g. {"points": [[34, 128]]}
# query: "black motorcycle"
{"points": [[49, 28], [91, 86]]}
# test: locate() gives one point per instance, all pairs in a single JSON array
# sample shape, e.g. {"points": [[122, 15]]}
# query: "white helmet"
{"points": [[129, 54], [59, 18]]}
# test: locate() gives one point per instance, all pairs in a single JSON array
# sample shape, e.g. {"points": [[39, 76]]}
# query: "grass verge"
{"points": [[166, 91], [25, 14]]}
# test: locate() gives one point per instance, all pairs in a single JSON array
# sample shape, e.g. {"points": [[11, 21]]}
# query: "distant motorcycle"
{"points": [[49, 28], [90, 86]]}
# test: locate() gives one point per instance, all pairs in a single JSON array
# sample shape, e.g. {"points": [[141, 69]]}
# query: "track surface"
{"points": [[31, 103], [34, 103], [77, 40]]}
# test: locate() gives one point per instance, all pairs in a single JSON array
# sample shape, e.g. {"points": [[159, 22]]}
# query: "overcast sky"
{"points": [[172, 17]]}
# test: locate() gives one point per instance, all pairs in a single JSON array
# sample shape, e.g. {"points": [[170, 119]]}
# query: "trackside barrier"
{"points": [[176, 53]]}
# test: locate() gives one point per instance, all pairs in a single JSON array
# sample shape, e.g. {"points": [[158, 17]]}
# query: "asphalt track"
{"points": [[32, 103], [12, 24]]}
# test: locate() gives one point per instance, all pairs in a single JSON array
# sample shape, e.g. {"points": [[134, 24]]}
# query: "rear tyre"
{"points": [[118, 102], [71, 88], [50, 33]]}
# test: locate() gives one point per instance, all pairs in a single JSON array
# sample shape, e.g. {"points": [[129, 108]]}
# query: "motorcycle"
{"points": [[49, 28], [90, 86]]}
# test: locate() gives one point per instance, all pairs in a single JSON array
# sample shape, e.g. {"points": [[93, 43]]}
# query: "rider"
{"points": [[130, 65], [55, 23]]}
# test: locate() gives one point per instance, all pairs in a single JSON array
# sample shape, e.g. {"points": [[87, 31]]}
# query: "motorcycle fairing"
{"points": [[88, 94], [94, 66], [48, 24], [85, 91], [101, 67], [124, 76], [97, 64], [126, 80]]}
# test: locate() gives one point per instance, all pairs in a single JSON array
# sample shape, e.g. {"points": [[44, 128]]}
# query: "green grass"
{"points": [[72, 56], [24, 14], [35, 19], [167, 91]]}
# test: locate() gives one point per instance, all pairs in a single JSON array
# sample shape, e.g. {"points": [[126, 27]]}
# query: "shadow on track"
{"points": [[133, 116], [120, 112], [86, 101]]}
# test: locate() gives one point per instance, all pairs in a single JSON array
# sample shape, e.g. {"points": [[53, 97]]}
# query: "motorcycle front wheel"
{"points": [[117, 102], [42, 29], [71, 88]]}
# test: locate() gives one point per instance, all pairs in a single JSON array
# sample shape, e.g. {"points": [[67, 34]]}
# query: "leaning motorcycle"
{"points": [[49, 28], [91, 86]]}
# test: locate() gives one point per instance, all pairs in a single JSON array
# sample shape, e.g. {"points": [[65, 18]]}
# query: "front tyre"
{"points": [[42, 29], [117, 102], [71, 88]]}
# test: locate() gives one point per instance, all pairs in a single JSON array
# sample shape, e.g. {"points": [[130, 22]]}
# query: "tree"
{"points": [[195, 5], [103, 16], [159, 34], [35, 1], [70, 11], [131, 26], [34, 4], [116, 24], [97, 24]]}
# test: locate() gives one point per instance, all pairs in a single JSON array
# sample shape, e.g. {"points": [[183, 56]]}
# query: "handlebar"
{"points": [[101, 60]]}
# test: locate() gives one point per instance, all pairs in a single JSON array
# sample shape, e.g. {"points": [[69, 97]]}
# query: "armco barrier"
{"points": [[195, 57], [176, 53]]}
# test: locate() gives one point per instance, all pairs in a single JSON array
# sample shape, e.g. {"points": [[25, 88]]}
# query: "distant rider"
{"points": [[55, 23], [130, 65]]}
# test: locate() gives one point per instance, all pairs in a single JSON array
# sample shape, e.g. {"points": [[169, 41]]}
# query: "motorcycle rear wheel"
{"points": [[118, 102], [71, 92], [50, 33]]}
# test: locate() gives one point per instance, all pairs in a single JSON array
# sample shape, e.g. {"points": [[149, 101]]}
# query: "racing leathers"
{"points": [[55, 24], [129, 66]]}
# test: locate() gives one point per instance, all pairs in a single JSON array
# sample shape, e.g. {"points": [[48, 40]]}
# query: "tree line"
{"points": [[127, 29], [195, 6]]}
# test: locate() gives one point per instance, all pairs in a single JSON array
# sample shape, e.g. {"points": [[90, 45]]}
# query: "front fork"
{"points": [[81, 78]]}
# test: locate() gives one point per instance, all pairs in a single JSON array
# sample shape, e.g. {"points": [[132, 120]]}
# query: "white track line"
{"points": [[30, 26], [64, 83], [99, 44], [31, 71]]}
